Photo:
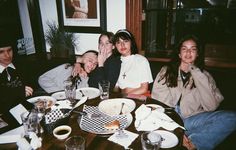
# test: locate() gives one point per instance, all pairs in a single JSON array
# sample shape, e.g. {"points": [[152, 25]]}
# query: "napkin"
{"points": [[12, 136], [153, 120], [17, 111], [124, 141], [64, 104]]}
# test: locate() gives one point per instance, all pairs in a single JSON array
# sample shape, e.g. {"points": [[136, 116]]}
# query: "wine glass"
{"points": [[40, 107]]}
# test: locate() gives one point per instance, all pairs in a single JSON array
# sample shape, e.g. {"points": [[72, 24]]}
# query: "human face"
{"points": [[90, 62], [123, 47], [6, 55], [188, 52], [105, 45]]}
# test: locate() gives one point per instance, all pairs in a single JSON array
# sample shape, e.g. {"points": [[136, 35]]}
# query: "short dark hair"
{"points": [[91, 51]]}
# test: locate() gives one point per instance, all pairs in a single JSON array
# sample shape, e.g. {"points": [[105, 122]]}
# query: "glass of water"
{"points": [[104, 87]]}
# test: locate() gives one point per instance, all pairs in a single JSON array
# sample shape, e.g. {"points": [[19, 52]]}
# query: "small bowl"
{"points": [[62, 132]]}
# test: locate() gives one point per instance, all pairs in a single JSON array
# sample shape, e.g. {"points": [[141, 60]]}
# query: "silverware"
{"points": [[81, 93], [122, 105]]}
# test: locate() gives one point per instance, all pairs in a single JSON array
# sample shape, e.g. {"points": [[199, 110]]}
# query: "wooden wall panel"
{"points": [[134, 20]]}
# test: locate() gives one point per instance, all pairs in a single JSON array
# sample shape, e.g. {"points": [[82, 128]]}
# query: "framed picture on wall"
{"points": [[82, 16]]}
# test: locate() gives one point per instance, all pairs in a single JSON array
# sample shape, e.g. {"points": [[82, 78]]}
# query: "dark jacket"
{"points": [[110, 71]]}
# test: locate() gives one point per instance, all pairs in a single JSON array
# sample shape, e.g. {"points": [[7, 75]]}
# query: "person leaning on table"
{"points": [[108, 62], [13, 88], [52, 80], [192, 91]]}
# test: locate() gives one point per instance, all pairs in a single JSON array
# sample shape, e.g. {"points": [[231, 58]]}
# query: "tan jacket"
{"points": [[205, 97]]}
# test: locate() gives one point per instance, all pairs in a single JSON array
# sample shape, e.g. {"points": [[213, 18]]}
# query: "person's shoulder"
{"points": [[140, 58]]}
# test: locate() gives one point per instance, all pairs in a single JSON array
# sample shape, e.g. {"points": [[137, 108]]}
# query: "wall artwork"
{"points": [[82, 16]]}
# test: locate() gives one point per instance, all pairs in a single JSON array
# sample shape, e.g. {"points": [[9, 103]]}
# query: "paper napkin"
{"points": [[17, 111], [125, 141], [154, 121], [12, 136]]}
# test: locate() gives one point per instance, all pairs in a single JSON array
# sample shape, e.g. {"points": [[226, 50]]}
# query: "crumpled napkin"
{"points": [[124, 141], [153, 120]]}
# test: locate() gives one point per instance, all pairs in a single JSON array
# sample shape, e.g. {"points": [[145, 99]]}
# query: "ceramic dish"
{"points": [[113, 107], [89, 92], [169, 139], [49, 99], [62, 132]]}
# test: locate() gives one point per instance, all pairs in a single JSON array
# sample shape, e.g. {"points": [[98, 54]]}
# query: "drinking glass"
{"points": [[151, 140], [70, 91], [75, 143], [30, 122], [40, 107], [104, 87]]}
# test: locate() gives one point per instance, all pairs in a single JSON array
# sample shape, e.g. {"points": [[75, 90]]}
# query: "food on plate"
{"points": [[41, 102], [115, 124]]}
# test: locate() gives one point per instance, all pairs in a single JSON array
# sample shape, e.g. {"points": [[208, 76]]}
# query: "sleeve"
{"points": [[95, 76], [160, 91], [52, 80], [206, 85], [145, 73]]}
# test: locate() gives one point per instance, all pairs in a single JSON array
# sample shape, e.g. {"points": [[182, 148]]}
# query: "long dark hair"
{"points": [[126, 35], [171, 74]]}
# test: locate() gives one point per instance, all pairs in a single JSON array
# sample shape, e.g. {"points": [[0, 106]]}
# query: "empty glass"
{"points": [[151, 140], [70, 90], [104, 87], [75, 143], [30, 122]]}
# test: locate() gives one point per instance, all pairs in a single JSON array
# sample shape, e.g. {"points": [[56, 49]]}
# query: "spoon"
{"points": [[81, 93], [122, 105]]}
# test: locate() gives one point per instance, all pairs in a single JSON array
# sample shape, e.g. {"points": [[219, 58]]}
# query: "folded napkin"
{"points": [[145, 121], [12, 136], [126, 140], [17, 111]]}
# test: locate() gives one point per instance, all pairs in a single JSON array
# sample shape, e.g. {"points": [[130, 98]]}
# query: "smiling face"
{"points": [[123, 47], [6, 55], [188, 52], [90, 61]]}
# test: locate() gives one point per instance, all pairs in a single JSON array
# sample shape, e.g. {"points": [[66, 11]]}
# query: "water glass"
{"points": [[75, 143], [151, 140], [70, 90], [104, 87], [30, 122]]}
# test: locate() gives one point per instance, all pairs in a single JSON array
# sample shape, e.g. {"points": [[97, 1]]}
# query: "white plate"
{"points": [[112, 107], [59, 95], [156, 107], [50, 100], [89, 92], [169, 139]]}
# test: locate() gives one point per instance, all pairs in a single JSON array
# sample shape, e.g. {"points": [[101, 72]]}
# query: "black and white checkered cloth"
{"points": [[96, 124], [53, 116]]}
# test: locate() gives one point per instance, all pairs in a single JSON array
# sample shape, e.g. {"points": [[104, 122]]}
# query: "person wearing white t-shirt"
{"points": [[135, 74]]}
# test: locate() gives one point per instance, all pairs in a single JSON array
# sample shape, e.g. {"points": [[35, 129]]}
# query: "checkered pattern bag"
{"points": [[55, 118]]}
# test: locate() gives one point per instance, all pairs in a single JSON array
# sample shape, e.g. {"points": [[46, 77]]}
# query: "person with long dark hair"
{"points": [[135, 73], [185, 85]]}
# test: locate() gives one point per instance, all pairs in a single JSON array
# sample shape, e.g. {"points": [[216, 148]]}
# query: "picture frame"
{"points": [[71, 19]]}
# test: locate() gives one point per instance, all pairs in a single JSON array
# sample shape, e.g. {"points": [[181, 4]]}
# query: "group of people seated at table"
{"points": [[183, 83]]}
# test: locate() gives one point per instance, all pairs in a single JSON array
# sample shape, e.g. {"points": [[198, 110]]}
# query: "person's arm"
{"points": [[160, 90], [211, 96], [140, 90], [52, 80], [78, 69]]}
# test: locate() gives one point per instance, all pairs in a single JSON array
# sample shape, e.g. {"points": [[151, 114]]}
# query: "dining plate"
{"points": [[169, 139], [90, 92], [156, 107], [49, 99], [113, 107], [96, 125], [59, 95]]}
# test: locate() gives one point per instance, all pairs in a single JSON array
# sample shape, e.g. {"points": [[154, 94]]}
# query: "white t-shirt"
{"points": [[135, 69]]}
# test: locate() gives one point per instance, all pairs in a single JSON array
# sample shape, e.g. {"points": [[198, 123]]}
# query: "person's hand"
{"points": [[28, 91], [76, 70], [102, 56], [187, 143], [83, 73]]}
